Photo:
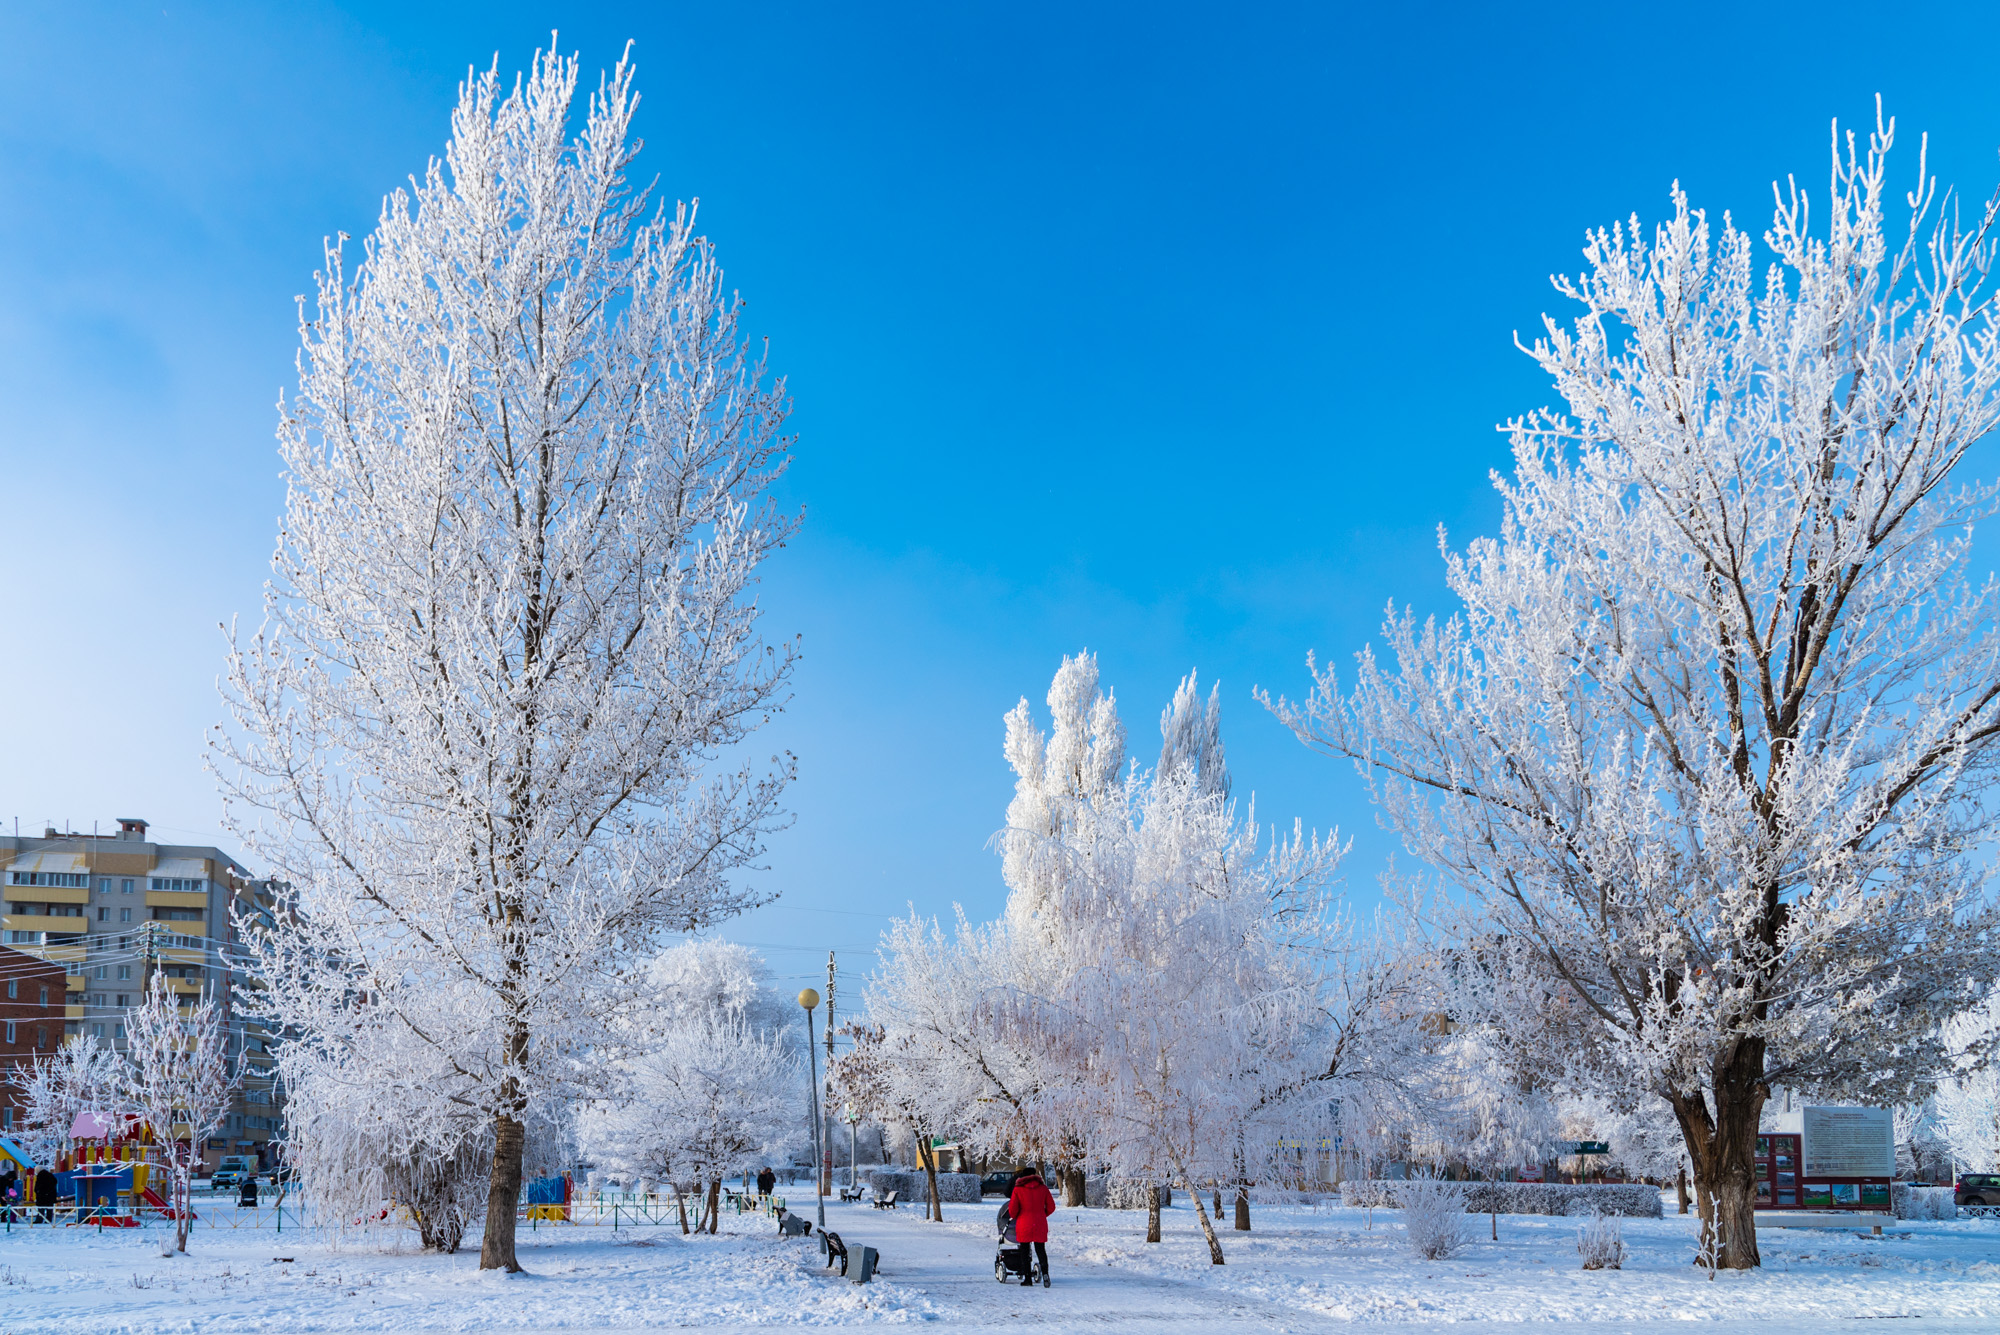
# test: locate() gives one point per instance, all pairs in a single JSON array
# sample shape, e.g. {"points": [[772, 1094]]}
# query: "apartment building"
{"points": [[32, 1005], [113, 910]]}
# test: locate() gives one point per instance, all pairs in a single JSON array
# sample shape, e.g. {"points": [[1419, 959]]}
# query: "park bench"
{"points": [[850, 1193], [887, 1202]]}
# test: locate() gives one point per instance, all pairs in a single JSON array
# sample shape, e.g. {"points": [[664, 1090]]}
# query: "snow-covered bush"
{"points": [[1601, 1243], [1633, 1200], [956, 1187], [1122, 1193], [1910, 1202], [1434, 1222]]}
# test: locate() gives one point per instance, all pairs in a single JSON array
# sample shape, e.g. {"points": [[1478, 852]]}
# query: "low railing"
{"points": [[278, 1213]]}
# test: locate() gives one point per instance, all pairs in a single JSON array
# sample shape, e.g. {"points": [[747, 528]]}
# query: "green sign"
{"points": [[1586, 1147]]}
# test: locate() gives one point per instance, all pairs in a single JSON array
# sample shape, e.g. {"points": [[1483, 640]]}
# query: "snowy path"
{"points": [[952, 1265]]}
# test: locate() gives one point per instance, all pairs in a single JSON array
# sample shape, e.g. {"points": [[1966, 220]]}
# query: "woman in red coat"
{"points": [[1030, 1207]]}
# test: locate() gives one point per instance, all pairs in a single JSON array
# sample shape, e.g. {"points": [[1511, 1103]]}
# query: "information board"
{"points": [[1849, 1142]]}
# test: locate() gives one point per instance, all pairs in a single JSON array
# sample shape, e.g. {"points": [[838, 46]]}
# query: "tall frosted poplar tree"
{"points": [[509, 630], [1712, 740]]}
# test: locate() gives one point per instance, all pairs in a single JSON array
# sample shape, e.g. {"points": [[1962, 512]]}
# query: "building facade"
{"points": [[112, 911], [33, 1006]]}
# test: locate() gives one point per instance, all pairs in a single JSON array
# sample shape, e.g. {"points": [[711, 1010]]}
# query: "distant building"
{"points": [[32, 1007], [112, 910]]}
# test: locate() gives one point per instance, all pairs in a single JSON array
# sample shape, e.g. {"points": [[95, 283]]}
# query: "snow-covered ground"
{"points": [[1297, 1270]]}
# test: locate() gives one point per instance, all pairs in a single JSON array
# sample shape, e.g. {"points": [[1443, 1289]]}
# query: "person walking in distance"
{"points": [[1030, 1207]]}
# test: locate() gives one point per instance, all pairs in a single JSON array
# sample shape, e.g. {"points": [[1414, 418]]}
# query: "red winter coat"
{"points": [[1030, 1206]]}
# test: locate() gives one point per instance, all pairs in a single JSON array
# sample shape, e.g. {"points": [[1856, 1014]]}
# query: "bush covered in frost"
{"points": [[1601, 1243], [1633, 1200], [1910, 1202], [911, 1184], [1434, 1221], [1122, 1193]]}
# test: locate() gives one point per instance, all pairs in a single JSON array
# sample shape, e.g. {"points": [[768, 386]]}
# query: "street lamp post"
{"points": [[853, 1119], [809, 1000]]}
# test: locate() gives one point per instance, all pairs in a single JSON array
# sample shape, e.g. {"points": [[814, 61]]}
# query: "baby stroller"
{"points": [[1015, 1260]]}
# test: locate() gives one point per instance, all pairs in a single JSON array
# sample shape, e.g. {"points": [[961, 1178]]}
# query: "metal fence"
{"points": [[290, 1210]]}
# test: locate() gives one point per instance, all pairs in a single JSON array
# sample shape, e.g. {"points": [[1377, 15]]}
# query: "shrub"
{"points": [[1633, 1200], [1910, 1202], [1434, 1221], [911, 1182], [1601, 1243], [1122, 1193]]}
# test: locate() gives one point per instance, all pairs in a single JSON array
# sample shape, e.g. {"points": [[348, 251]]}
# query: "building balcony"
{"points": [[174, 899], [48, 894], [43, 922]]}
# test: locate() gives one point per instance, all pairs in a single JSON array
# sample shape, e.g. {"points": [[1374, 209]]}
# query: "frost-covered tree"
{"points": [[1966, 1107], [509, 630], [701, 1078], [179, 1073], [705, 1098], [50, 1092], [939, 1000], [1712, 734], [1190, 996]]}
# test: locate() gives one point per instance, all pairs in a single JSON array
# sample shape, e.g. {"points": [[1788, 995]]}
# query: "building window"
{"points": [[180, 885], [125, 887], [121, 998], [118, 1031], [45, 996], [124, 915], [6, 1119], [41, 1036], [66, 880], [124, 972], [177, 915], [101, 971], [13, 988], [104, 913], [97, 1031], [104, 885], [10, 1031]]}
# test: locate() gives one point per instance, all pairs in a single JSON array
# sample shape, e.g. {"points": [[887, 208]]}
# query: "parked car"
{"points": [[1002, 1184], [232, 1170], [1979, 1189]]}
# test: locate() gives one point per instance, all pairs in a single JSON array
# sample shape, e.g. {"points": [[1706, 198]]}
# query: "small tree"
{"points": [[181, 1078], [1714, 731], [706, 1098], [51, 1092]]}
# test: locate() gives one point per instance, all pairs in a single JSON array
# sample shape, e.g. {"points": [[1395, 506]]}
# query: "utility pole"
{"points": [[826, 1095]]}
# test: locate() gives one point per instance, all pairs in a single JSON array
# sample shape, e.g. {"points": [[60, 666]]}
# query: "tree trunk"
{"points": [[714, 1205], [1681, 1187], [934, 1208], [1215, 1199], [1072, 1187], [1242, 1207], [503, 1193], [1153, 1213], [1722, 1148], [680, 1200], [1207, 1224]]}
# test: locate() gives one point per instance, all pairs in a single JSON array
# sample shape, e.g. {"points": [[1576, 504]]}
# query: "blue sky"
{"points": [[1172, 332]]}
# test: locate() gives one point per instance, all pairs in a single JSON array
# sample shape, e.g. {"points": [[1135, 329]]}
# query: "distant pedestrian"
{"points": [[767, 1181], [1030, 1207], [45, 1196]]}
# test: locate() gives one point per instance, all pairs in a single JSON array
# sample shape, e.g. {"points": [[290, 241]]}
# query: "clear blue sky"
{"points": [[1169, 331]]}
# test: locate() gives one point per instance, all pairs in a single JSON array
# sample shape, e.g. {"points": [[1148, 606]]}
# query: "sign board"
{"points": [[1586, 1147], [1849, 1142]]}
